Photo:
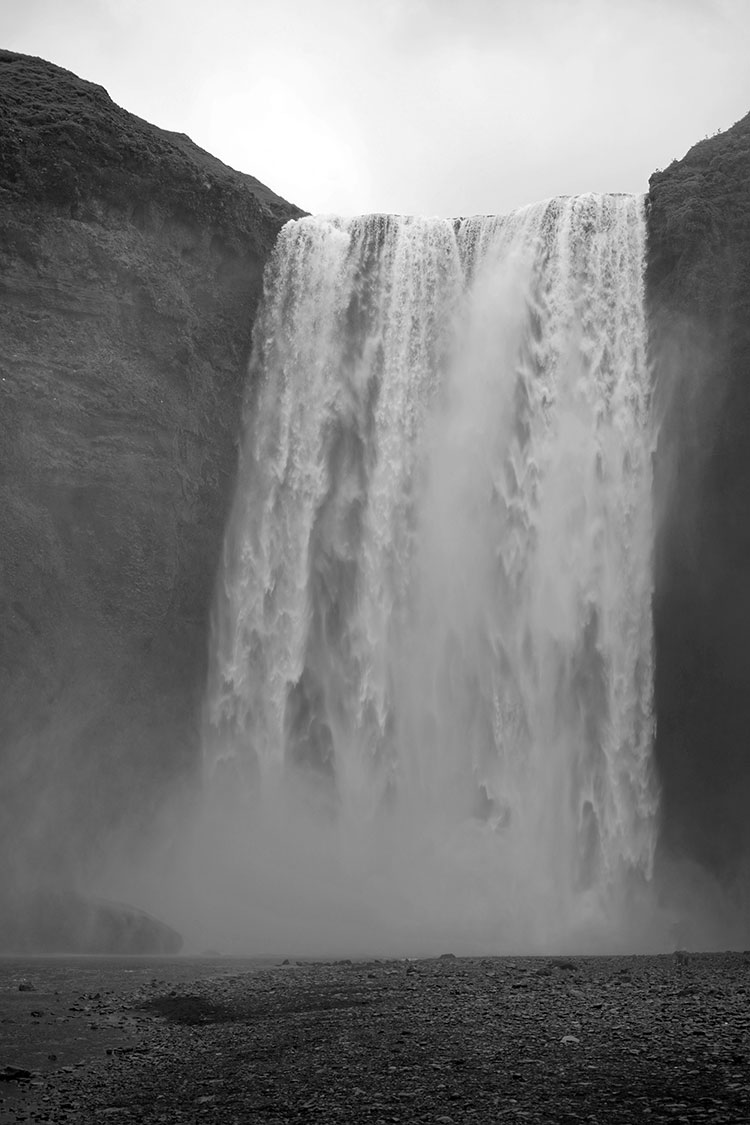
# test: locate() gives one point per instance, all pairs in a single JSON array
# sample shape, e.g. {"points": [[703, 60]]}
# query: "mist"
{"points": [[287, 876]]}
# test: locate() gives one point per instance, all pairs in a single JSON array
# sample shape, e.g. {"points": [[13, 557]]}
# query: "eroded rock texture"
{"points": [[699, 293], [130, 265]]}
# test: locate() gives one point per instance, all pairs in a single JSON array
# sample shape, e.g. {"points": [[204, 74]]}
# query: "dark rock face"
{"points": [[698, 285], [130, 266]]}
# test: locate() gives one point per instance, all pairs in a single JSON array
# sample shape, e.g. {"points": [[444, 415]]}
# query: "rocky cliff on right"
{"points": [[698, 290]]}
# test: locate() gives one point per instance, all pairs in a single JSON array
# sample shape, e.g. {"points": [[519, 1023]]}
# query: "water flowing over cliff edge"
{"points": [[433, 644], [130, 267]]}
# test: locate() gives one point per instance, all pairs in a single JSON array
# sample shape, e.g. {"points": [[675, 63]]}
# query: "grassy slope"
{"points": [[63, 139]]}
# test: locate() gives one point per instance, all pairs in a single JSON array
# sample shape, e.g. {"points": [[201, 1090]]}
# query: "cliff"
{"points": [[130, 266], [698, 283]]}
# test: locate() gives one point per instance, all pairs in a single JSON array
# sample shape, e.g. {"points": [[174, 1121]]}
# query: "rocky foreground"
{"points": [[626, 1039]]}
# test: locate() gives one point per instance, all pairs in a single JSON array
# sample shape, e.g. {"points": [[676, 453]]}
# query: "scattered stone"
{"points": [[15, 1074], [26, 986], [332, 1043]]}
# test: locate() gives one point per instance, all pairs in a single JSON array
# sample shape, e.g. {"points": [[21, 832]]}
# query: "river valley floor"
{"points": [[445, 1040]]}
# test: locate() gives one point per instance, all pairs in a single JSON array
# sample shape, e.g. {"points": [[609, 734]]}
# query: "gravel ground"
{"points": [[636, 1039]]}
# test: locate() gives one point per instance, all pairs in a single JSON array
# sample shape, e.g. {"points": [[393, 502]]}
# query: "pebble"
{"points": [[353, 1042]]}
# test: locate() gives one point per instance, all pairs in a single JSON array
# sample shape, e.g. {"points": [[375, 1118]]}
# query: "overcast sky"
{"points": [[440, 107]]}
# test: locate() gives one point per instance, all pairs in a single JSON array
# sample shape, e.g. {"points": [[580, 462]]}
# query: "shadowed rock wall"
{"points": [[130, 266], [699, 294]]}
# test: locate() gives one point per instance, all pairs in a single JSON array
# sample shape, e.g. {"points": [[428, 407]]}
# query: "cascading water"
{"points": [[431, 676]]}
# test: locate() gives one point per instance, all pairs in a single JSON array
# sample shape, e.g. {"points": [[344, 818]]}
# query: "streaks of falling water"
{"points": [[435, 597]]}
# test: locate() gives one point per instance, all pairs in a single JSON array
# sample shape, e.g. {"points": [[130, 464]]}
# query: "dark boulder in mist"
{"points": [[130, 267], [698, 284], [44, 921]]}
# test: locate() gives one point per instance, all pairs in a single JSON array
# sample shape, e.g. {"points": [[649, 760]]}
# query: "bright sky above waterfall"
{"points": [[431, 106]]}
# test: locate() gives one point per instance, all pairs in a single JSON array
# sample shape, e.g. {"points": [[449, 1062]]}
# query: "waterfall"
{"points": [[431, 661]]}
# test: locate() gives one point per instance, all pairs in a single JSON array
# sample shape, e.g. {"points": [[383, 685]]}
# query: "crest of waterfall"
{"points": [[434, 612]]}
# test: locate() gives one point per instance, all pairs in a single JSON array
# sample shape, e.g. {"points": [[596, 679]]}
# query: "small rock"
{"points": [[570, 1040], [15, 1074], [26, 986]]}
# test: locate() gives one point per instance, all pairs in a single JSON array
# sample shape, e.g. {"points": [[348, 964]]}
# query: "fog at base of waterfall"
{"points": [[428, 722], [288, 879]]}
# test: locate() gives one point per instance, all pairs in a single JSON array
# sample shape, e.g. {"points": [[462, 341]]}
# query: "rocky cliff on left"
{"points": [[130, 267]]}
